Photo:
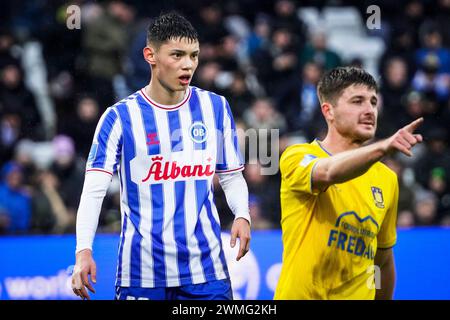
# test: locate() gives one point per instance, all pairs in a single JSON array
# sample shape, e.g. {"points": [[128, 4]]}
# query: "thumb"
{"points": [[233, 238], [94, 273]]}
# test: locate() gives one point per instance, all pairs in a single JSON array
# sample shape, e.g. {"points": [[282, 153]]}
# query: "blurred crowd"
{"points": [[265, 57]]}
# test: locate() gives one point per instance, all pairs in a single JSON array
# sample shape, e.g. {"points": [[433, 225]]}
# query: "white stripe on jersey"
{"points": [[195, 263], [170, 245], [231, 160], [145, 198], [213, 243]]}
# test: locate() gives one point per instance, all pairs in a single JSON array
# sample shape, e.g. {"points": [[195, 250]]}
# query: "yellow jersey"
{"points": [[330, 238]]}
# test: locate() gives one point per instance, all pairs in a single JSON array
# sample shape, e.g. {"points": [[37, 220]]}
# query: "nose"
{"points": [[370, 111], [188, 64]]}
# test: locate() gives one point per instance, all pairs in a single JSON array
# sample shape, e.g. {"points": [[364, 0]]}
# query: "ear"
{"points": [[149, 55], [327, 111]]}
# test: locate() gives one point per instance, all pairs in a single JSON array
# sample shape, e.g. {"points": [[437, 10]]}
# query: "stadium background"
{"points": [[266, 58]]}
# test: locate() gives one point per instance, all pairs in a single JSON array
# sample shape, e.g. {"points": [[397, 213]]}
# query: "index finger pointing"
{"points": [[414, 125]]}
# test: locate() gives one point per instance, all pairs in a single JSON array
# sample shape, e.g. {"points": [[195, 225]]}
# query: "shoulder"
{"points": [[296, 153], [299, 150], [121, 106], [216, 99]]}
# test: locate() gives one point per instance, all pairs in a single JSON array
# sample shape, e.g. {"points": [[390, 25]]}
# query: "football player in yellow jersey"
{"points": [[339, 202]]}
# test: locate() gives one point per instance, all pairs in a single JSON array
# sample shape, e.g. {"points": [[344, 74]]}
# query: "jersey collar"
{"points": [[321, 147], [186, 98]]}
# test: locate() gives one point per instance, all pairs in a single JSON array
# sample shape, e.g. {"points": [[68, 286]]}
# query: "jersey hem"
{"points": [[171, 283], [231, 170]]}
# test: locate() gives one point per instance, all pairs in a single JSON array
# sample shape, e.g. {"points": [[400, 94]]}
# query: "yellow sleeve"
{"points": [[296, 166], [387, 237]]}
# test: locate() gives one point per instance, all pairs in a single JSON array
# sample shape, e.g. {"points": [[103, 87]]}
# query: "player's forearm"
{"points": [[95, 186], [236, 193], [386, 292], [347, 165]]}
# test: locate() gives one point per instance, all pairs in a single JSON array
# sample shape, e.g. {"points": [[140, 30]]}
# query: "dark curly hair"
{"points": [[170, 26], [335, 81]]}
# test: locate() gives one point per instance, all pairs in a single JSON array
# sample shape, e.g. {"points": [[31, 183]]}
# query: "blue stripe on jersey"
{"points": [[234, 133], [179, 226], [196, 115], [216, 229], [122, 240], [216, 101], [129, 150], [151, 130], [159, 265], [118, 154], [102, 138], [201, 188], [176, 136]]}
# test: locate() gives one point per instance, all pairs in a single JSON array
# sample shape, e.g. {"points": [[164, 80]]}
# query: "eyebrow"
{"points": [[183, 51], [363, 97]]}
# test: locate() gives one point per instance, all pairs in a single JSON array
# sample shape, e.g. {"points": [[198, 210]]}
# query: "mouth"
{"points": [[368, 123], [184, 79]]}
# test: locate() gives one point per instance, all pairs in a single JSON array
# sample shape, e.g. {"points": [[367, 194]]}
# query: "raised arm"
{"points": [[350, 164]]}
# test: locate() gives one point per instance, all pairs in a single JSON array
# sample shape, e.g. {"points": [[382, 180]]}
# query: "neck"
{"points": [[163, 95], [335, 142]]}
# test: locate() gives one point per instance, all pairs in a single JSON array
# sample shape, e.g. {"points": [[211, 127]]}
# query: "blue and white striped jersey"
{"points": [[166, 157]]}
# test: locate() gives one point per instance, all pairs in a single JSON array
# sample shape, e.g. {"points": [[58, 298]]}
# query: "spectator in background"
{"points": [[259, 38], [285, 16], [16, 99], [317, 51], [23, 156], [206, 75], [401, 45], [413, 107], [10, 129], [210, 24], [432, 170], [425, 208], [137, 70], [81, 126], [227, 53], [276, 64], [394, 86], [428, 79], [50, 214], [104, 43], [7, 52], [431, 40], [238, 94], [263, 115], [442, 21], [405, 210], [15, 206], [69, 172], [413, 16], [300, 104]]}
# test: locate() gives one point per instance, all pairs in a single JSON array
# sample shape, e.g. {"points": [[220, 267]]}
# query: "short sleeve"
{"points": [[229, 156], [107, 144], [387, 236], [297, 165]]}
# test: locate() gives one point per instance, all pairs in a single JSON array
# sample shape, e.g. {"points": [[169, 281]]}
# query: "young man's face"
{"points": [[355, 113], [175, 62]]}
